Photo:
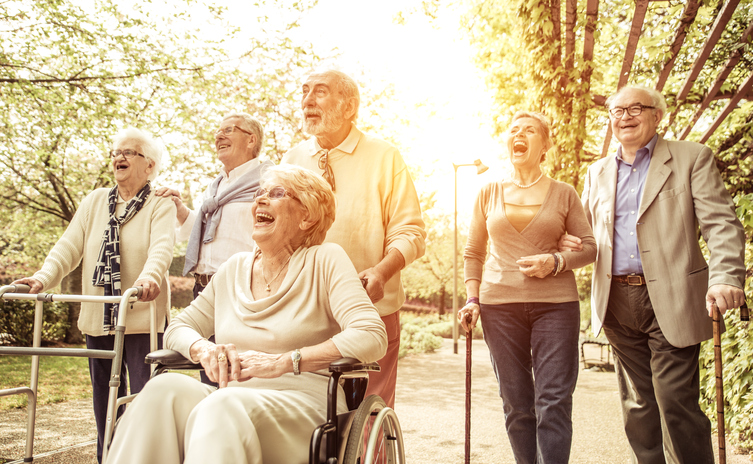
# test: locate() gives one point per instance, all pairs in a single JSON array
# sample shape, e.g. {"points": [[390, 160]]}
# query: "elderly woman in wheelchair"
{"points": [[280, 315]]}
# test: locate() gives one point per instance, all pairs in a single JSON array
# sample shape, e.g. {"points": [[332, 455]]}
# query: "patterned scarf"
{"points": [[107, 271]]}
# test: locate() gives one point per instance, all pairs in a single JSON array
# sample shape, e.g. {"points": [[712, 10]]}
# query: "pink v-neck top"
{"points": [[500, 277]]}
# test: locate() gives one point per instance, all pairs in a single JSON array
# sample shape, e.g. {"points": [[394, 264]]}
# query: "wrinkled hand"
{"points": [[724, 297], [34, 285], [219, 371], [471, 310], [262, 365], [374, 283], [537, 265], [181, 211], [569, 243], [151, 289]]}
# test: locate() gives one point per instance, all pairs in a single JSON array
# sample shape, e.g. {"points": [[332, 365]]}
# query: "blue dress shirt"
{"points": [[631, 178]]}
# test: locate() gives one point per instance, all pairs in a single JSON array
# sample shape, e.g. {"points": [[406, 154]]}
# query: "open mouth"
{"points": [[519, 147], [264, 218], [121, 166]]}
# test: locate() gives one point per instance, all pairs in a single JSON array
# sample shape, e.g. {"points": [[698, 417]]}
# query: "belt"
{"points": [[203, 279], [632, 279]]}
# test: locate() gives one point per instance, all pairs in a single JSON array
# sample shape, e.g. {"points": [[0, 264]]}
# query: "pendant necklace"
{"points": [[278, 274], [529, 185]]}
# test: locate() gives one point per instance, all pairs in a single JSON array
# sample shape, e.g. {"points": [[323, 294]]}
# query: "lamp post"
{"points": [[480, 168]]}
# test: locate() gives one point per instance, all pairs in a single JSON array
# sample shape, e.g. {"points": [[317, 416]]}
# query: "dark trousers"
{"points": [[659, 384], [135, 349], [540, 340], [197, 288]]}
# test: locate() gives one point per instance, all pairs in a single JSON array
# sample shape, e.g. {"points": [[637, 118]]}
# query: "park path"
{"points": [[430, 404]]}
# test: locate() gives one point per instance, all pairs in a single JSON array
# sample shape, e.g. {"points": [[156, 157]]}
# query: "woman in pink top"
{"points": [[524, 291]]}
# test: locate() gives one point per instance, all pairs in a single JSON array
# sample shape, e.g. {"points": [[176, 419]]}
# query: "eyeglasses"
{"points": [[229, 130], [633, 110], [128, 153], [328, 175], [275, 193]]}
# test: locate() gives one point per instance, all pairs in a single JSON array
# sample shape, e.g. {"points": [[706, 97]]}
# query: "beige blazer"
{"points": [[683, 192]]}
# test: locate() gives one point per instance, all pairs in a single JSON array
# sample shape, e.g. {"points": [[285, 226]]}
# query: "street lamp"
{"points": [[480, 168]]}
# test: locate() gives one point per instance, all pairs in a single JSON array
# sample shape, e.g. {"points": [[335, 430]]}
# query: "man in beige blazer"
{"points": [[653, 291]]}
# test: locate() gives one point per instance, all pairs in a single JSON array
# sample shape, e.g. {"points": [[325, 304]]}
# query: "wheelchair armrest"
{"points": [[352, 365], [170, 359]]}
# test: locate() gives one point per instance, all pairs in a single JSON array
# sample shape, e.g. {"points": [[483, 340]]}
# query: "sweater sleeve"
{"points": [[577, 224], [405, 227], [69, 249], [478, 237], [363, 334], [161, 241], [196, 321]]}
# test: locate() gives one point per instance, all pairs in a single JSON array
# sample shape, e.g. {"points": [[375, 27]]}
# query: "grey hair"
{"points": [[546, 127], [347, 88], [657, 99], [146, 145], [314, 193], [250, 124]]}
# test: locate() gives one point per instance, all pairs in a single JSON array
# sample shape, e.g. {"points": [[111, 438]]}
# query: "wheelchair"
{"points": [[368, 433]]}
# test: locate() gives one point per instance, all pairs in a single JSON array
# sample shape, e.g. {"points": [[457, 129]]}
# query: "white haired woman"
{"points": [[280, 314], [124, 238], [525, 293]]}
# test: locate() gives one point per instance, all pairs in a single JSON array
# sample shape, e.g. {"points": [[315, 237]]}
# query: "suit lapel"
{"points": [[658, 173], [608, 185]]}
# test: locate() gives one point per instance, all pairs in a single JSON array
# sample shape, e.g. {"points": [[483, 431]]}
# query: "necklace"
{"points": [[529, 185], [275, 278]]}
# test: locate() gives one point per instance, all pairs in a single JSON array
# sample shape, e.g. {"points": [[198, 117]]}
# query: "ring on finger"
{"points": [[222, 358]]}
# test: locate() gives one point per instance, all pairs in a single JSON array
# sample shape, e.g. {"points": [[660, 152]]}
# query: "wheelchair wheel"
{"points": [[374, 436]]}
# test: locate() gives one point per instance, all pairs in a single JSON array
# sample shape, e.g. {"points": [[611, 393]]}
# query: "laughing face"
{"points": [[131, 172], [323, 108], [278, 222], [235, 148], [634, 132], [526, 143]]}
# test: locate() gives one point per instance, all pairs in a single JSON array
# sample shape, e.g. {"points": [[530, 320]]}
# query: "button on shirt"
{"points": [[233, 233], [631, 178]]}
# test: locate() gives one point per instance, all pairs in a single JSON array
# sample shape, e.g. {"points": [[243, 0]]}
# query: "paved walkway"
{"points": [[430, 404]]}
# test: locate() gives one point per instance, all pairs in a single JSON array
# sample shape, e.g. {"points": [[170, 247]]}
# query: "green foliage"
{"points": [[430, 277], [60, 379], [416, 337], [17, 320]]}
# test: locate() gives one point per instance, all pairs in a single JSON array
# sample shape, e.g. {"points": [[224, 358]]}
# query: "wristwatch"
{"points": [[296, 357]]}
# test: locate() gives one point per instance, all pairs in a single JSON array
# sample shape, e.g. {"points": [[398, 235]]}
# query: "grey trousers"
{"points": [[659, 384]]}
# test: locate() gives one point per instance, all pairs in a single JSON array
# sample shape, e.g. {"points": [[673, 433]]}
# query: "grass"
{"points": [[60, 379]]}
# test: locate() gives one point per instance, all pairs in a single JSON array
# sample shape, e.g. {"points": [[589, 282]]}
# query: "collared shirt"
{"points": [[377, 205], [233, 234], [631, 178]]}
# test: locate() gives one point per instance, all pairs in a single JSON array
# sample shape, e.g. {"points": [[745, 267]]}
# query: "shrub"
{"points": [[416, 339], [17, 320]]}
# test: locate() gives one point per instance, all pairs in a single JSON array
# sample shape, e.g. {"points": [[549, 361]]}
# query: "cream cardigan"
{"points": [[146, 251]]}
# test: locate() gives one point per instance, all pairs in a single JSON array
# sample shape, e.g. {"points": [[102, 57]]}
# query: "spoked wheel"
{"points": [[374, 436]]}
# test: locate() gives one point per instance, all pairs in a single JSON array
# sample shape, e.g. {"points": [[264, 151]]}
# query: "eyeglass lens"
{"points": [[328, 175], [634, 110], [274, 193], [128, 153]]}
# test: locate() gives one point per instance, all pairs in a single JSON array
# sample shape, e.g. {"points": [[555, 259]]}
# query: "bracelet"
{"points": [[556, 264], [473, 299], [562, 263]]}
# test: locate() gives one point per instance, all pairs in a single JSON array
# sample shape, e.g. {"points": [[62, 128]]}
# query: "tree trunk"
{"points": [[71, 285], [442, 297]]}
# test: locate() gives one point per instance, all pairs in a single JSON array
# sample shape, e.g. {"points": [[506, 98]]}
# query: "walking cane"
{"points": [[468, 345], [744, 316]]}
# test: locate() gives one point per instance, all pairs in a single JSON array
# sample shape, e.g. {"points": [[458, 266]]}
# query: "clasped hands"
{"points": [[223, 363]]}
